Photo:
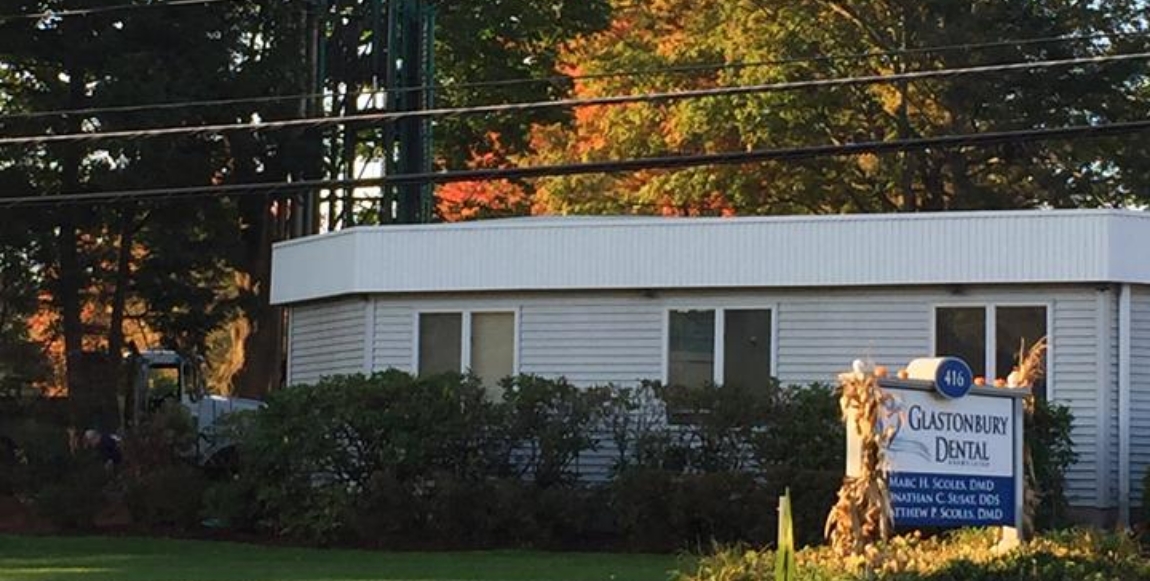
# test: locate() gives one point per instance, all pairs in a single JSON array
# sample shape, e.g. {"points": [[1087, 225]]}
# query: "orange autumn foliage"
{"points": [[461, 201]]}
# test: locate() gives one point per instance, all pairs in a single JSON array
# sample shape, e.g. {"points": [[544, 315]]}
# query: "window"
{"points": [[962, 332], [1017, 329], [490, 348], [440, 349], [747, 348], [691, 353], [724, 346]]}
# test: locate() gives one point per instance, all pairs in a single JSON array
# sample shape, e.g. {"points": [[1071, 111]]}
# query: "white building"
{"points": [[609, 299]]}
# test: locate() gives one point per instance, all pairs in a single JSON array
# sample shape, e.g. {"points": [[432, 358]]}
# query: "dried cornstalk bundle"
{"points": [[1031, 368], [863, 514]]}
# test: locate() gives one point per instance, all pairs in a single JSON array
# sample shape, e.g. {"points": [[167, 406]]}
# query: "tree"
{"points": [[168, 260], [195, 273], [672, 33]]}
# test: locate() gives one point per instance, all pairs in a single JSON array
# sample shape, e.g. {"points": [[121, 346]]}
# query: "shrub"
{"points": [[326, 455], [64, 486], [635, 419], [34, 453], [550, 425], [162, 484], [166, 496], [716, 424], [804, 431], [661, 510], [962, 555], [73, 501], [1048, 428]]}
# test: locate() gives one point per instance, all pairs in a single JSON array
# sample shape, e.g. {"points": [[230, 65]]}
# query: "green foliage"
{"points": [[316, 454], [166, 496], [961, 555], [73, 502], [804, 430], [682, 33], [716, 423], [34, 452], [662, 510], [162, 486], [1048, 434], [550, 423], [395, 460], [37, 463]]}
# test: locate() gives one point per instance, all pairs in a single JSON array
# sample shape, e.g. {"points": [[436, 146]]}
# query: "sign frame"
{"points": [[1017, 397]]}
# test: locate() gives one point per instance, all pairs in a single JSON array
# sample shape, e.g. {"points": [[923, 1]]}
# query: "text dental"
{"points": [[945, 448]]}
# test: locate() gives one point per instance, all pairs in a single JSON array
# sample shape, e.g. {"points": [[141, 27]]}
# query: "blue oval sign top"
{"points": [[953, 378]]}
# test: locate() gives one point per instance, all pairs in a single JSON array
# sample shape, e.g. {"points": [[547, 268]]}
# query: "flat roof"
{"points": [[644, 252]]}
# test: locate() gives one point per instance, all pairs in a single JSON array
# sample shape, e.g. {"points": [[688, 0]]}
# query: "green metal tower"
{"points": [[408, 73]]}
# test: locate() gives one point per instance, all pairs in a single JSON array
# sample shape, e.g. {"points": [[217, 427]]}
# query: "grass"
{"points": [[148, 559]]}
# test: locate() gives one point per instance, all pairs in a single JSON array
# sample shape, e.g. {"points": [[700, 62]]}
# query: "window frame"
{"points": [[718, 347], [465, 334], [990, 325]]}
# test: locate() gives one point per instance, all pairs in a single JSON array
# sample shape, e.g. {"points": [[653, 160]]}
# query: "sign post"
{"points": [[956, 456]]}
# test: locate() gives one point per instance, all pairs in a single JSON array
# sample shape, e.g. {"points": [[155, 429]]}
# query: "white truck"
{"points": [[157, 376]]}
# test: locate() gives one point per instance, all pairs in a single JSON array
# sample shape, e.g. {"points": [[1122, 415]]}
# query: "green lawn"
{"points": [[145, 559]]}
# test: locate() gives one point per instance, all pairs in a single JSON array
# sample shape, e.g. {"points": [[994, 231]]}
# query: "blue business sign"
{"points": [[952, 461]]}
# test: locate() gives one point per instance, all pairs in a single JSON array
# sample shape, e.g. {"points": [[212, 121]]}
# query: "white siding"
{"points": [[615, 339], [394, 337], [531, 254], [1074, 383], [1111, 398], [820, 335], [1139, 390], [326, 339], [594, 338]]}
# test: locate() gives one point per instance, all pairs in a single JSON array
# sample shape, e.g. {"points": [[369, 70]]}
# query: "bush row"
{"points": [[397, 460], [394, 459]]}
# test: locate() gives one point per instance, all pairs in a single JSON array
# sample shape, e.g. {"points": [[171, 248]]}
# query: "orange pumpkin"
{"points": [[980, 381], [903, 374], [1000, 382], [880, 371]]}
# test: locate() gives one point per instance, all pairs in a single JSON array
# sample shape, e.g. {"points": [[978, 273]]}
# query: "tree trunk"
{"points": [[69, 277], [122, 280], [262, 348]]}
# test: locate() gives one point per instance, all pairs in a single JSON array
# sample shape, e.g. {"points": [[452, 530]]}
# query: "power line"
{"points": [[570, 103], [678, 69], [104, 9], [606, 167]]}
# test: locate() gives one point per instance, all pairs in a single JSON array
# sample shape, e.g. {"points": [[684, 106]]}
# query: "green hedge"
{"points": [[396, 460]]}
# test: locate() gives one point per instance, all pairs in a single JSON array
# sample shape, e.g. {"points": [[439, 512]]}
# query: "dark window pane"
{"points": [[1016, 330], [691, 355], [747, 348], [440, 346], [961, 332]]}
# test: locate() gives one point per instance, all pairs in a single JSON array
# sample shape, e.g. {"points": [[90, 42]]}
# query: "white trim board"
{"points": [[950, 248]]}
